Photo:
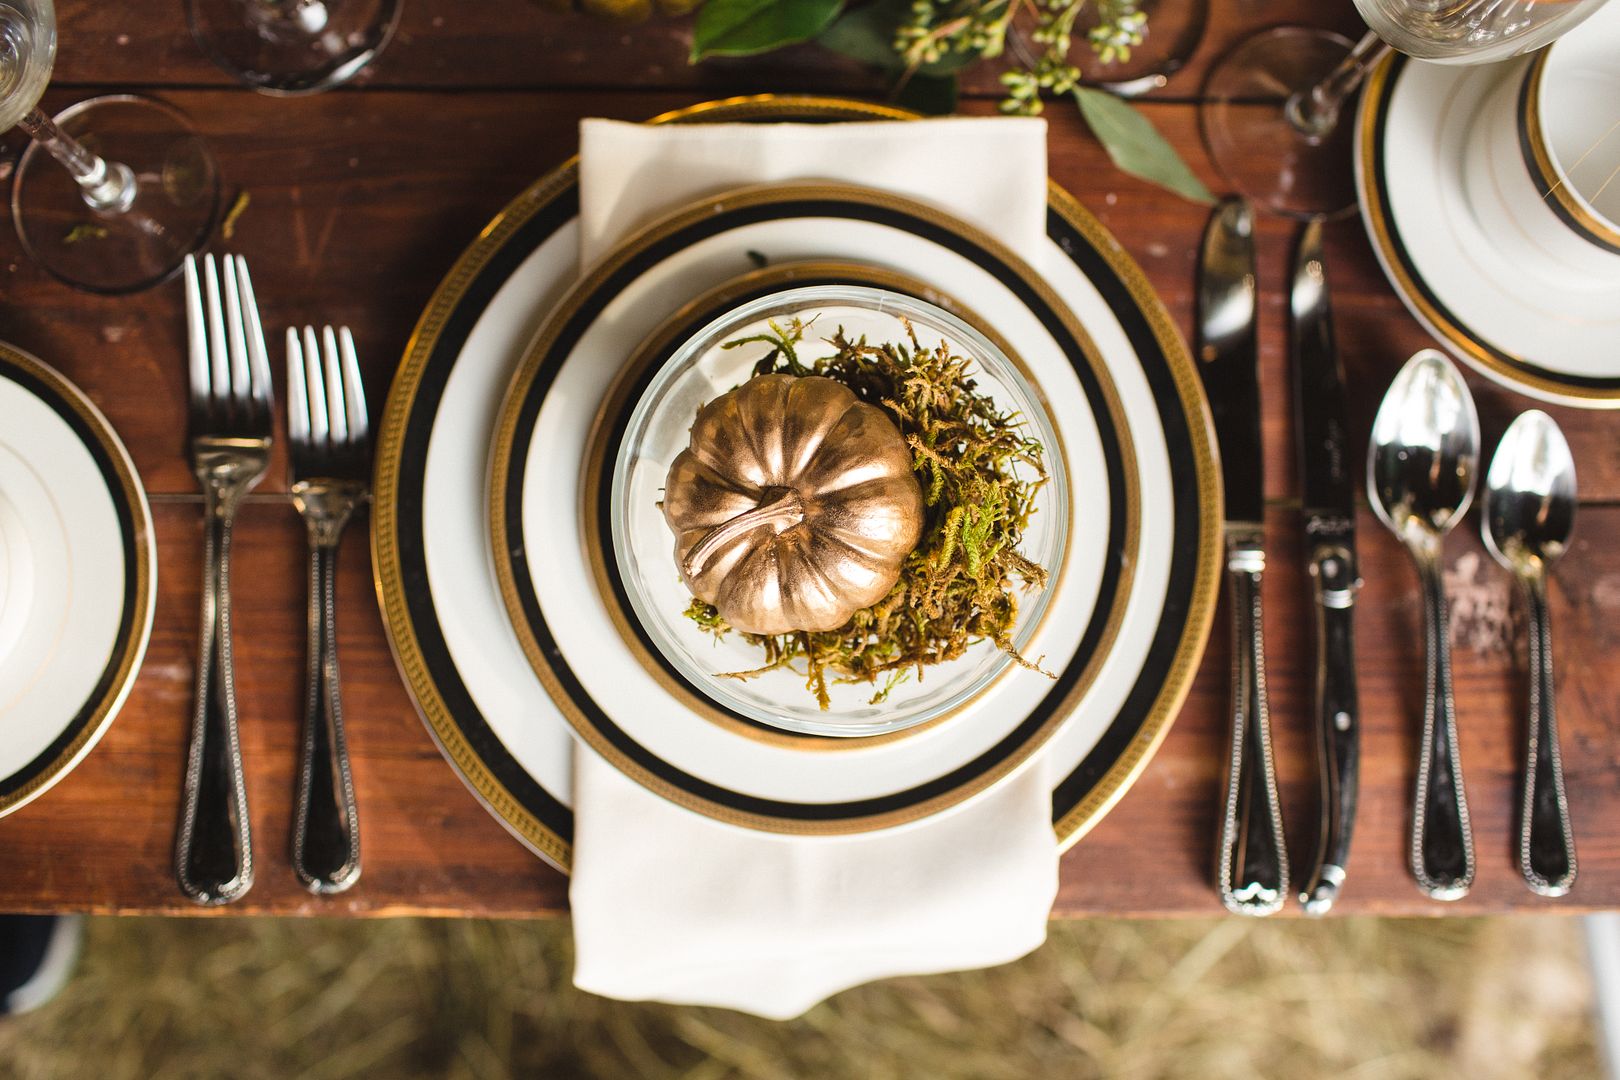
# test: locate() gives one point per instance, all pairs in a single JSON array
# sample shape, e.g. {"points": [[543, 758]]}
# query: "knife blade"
{"points": [[1251, 872], [1330, 545]]}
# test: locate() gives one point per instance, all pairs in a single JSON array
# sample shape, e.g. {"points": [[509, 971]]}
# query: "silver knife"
{"points": [[1330, 546], [1252, 869]]}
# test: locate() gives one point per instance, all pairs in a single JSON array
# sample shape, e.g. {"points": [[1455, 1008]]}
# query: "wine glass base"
{"points": [[1248, 134], [173, 212], [287, 48]]}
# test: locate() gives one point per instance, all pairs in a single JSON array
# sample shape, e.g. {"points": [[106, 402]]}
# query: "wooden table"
{"points": [[361, 199]]}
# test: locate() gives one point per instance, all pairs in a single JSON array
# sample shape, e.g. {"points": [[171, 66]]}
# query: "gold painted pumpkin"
{"points": [[793, 505]]}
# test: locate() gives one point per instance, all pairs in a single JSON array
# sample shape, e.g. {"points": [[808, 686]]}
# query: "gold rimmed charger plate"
{"points": [[85, 721], [539, 815]]}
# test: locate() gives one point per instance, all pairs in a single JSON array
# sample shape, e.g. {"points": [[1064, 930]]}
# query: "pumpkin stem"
{"points": [[784, 511]]}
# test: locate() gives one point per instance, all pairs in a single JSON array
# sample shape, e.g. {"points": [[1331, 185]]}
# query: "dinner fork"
{"points": [[330, 441], [231, 401]]}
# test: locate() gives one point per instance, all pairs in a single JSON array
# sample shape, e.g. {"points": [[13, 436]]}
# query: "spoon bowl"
{"points": [[1424, 452], [1530, 495]]}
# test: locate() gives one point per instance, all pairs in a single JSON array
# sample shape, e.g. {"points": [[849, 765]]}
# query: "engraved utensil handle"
{"points": [[214, 850], [1546, 839], [1252, 875], [1442, 841], [1338, 723], [326, 829]]}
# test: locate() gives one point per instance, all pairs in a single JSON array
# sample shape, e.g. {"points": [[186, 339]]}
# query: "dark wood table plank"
{"points": [[360, 203], [522, 44]]}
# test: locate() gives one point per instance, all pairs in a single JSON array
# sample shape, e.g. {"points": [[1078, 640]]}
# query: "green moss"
{"points": [[979, 472]]}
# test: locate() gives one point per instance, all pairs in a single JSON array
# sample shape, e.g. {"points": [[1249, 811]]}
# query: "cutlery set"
{"points": [[1421, 468], [231, 419]]}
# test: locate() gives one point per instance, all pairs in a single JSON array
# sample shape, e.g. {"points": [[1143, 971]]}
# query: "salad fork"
{"points": [[330, 442], [230, 410]]}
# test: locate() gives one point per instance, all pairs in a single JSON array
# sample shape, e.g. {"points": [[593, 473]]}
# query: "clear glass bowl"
{"points": [[644, 547]]}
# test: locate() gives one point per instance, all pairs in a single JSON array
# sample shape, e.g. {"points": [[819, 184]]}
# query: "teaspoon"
{"points": [[1529, 512], [1420, 480]]}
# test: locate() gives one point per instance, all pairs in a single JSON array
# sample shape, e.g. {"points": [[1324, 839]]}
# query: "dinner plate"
{"points": [[77, 577], [566, 620], [1529, 326], [459, 653]]}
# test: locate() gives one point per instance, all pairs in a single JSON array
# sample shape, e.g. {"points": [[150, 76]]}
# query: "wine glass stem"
{"points": [[1314, 112], [108, 187]]}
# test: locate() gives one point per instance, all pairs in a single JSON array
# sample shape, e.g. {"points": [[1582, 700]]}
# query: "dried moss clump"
{"points": [[979, 471]]}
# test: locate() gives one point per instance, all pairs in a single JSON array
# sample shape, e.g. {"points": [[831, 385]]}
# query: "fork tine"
{"points": [[317, 389], [220, 383], [264, 391], [297, 395], [197, 335], [241, 391], [336, 414], [354, 391]]}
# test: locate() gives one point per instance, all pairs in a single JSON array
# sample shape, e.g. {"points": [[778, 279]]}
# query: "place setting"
{"points": [[800, 549]]}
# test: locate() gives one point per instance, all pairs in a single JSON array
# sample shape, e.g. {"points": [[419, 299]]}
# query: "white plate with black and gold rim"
{"points": [[1527, 327], [461, 658], [78, 577], [572, 629]]}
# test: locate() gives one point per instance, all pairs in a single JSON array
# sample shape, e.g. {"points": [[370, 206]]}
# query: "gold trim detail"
{"points": [[1211, 511], [1539, 161], [388, 575], [504, 449], [1380, 84], [130, 651], [596, 466]]}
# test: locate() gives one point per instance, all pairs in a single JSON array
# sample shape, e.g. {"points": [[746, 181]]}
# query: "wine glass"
{"points": [[137, 189], [1279, 94], [291, 47]]}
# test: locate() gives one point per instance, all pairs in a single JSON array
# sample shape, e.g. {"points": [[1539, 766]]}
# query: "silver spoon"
{"points": [[1420, 480], [1529, 512]]}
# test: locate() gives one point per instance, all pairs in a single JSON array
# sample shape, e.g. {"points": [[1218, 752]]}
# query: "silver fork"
{"points": [[330, 441], [231, 400]]}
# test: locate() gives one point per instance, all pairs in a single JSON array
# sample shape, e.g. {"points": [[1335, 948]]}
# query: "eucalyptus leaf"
{"points": [[1136, 146], [746, 27]]}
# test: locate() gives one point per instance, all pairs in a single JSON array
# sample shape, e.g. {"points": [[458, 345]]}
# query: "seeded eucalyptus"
{"points": [[979, 472]]}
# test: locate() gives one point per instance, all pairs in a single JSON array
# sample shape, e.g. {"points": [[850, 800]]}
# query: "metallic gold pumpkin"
{"points": [[793, 505]]}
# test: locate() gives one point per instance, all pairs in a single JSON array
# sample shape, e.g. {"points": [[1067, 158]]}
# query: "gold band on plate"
{"points": [[124, 660], [1573, 210], [1510, 368], [679, 325], [504, 450]]}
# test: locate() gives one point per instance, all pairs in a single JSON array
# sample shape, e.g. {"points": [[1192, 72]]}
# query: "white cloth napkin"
{"points": [[672, 906]]}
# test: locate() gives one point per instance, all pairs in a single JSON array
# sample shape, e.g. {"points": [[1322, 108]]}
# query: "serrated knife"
{"points": [[1252, 861], [1330, 551]]}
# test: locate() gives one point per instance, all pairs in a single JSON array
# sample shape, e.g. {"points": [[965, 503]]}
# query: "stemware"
{"points": [[292, 47], [1529, 513], [1272, 105], [137, 189], [1420, 479]]}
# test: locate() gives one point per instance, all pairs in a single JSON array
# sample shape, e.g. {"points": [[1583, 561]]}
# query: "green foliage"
{"points": [[746, 27], [979, 472], [1136, 146], [923, 44]]}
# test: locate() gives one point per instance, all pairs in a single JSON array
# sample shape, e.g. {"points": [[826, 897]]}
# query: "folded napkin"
{"points": [[685, 909]]}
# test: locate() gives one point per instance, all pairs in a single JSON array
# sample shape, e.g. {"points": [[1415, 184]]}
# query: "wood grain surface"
{"points": [[361, 199]]}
